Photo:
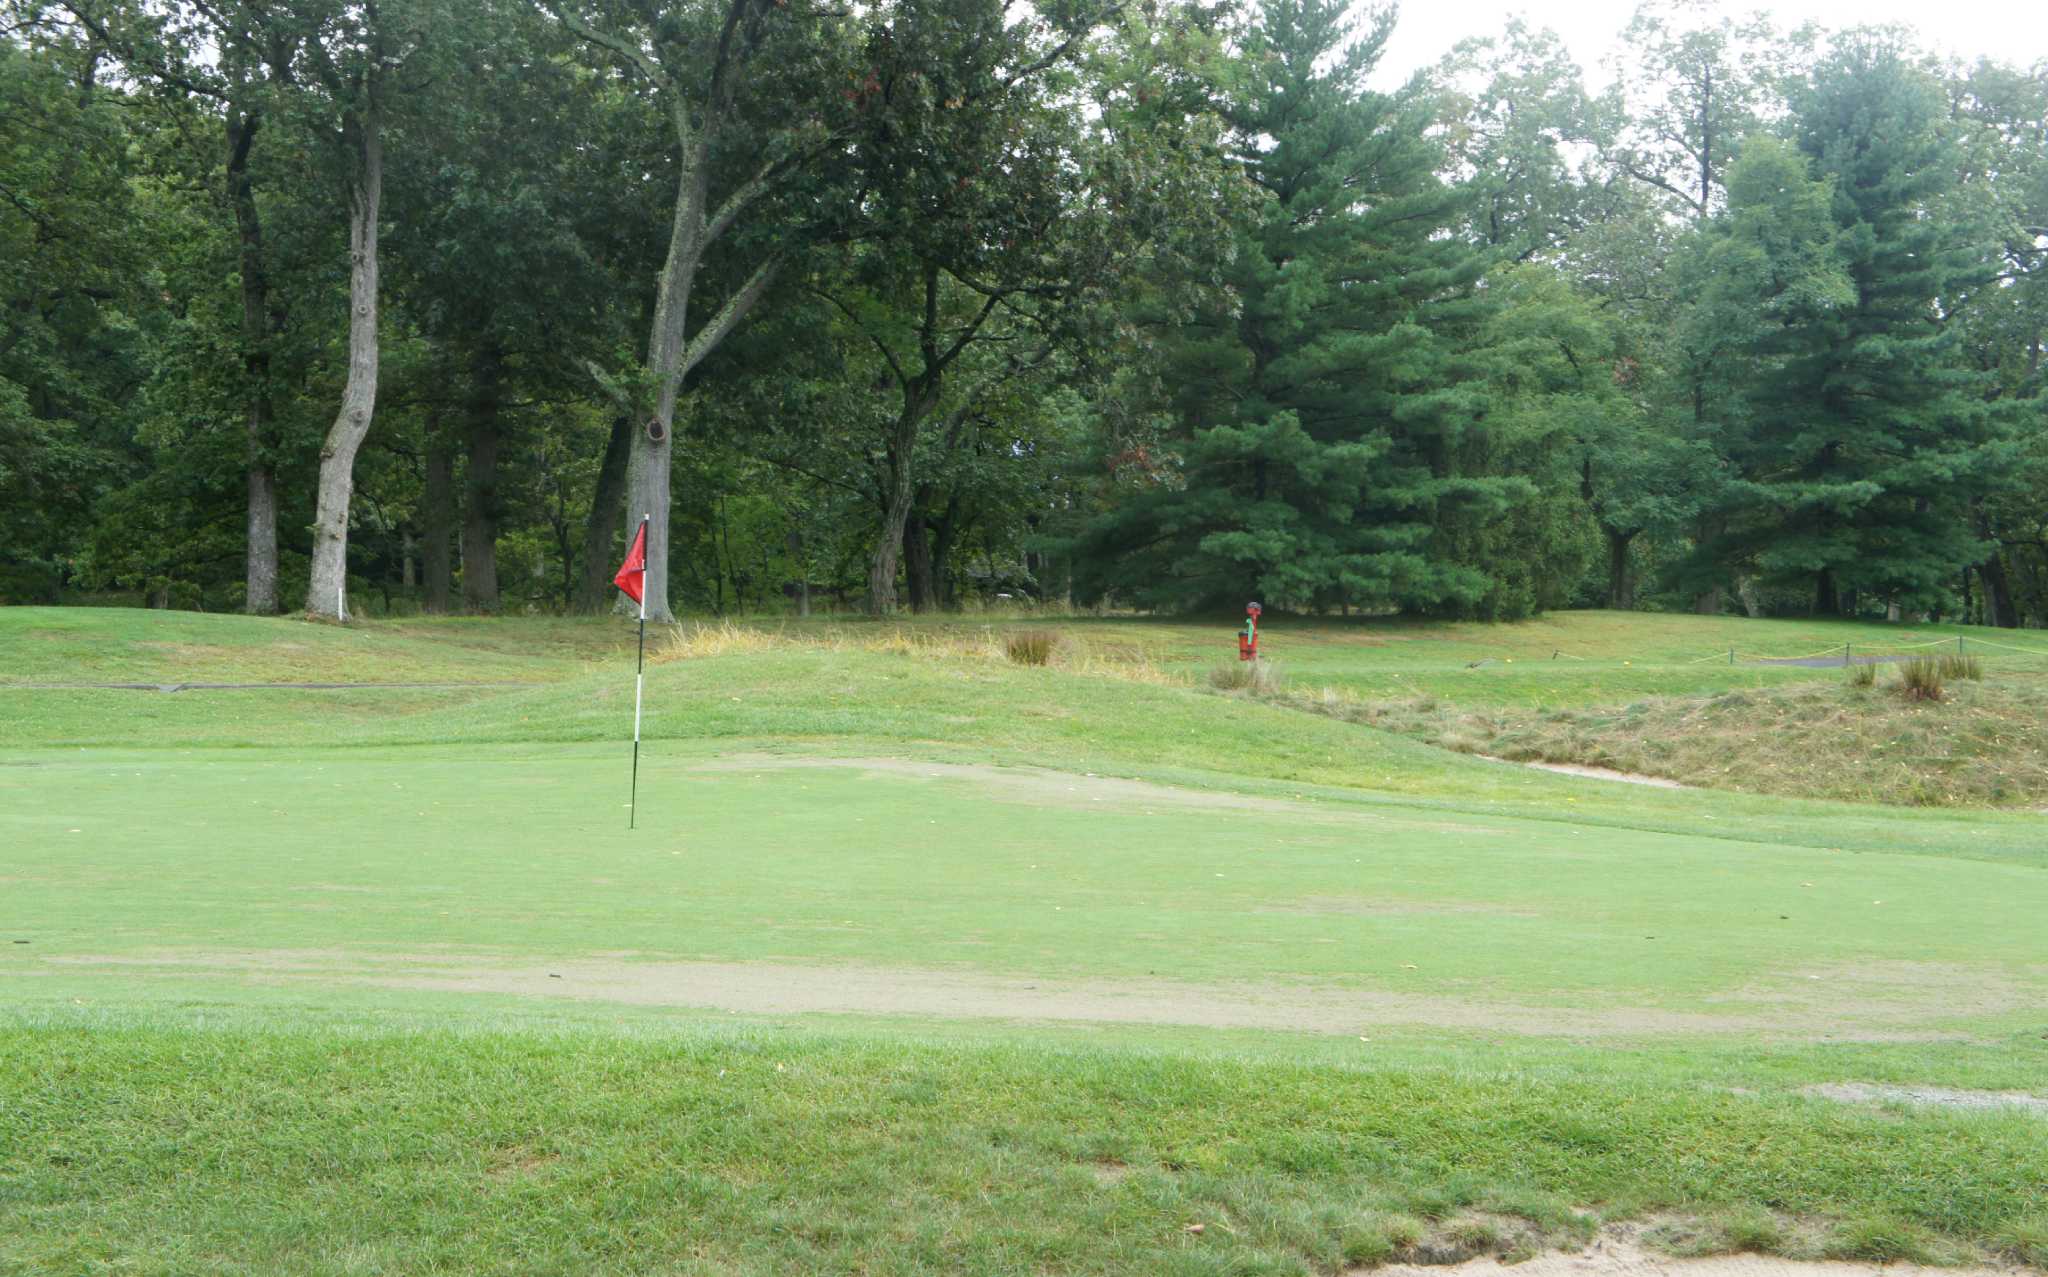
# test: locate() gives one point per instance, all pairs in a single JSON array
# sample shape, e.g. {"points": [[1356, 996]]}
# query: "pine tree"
{"points": [[1323, 404], [1870, 437]]}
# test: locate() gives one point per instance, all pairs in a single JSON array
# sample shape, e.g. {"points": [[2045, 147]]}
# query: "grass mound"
{"points": [[1969, 743]]}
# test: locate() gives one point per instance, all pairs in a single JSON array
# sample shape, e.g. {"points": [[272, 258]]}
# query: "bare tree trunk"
{"points": [[1998, 608], [260, 571], [324, 594], [1621, 585], [1826, 602], [944, 535], [605, 510], [439, 527], [917, 563], [480, 497], [896, 501]]}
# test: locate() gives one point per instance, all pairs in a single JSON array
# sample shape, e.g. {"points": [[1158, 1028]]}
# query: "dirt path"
{"points": [[1613, 1256], [1892, 1006]]}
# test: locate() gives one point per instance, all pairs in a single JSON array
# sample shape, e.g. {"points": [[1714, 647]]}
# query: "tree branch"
{"points": [[617, 44], [729, 315]]}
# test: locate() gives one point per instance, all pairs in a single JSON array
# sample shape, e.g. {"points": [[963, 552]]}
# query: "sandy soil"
{"points": [[1591, 773]]}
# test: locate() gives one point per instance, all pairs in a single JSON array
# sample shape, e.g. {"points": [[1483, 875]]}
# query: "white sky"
{"points": [[2013, 31]]}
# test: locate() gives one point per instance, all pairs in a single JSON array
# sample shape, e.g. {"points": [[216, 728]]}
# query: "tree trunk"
{"points": [[438, 526], [1998, 609], [1621, 586], [606, 508], [260, 568], [480, 496], [325, 595], [944, 536], [896, 499], [1825, 600], [1745, 593], [917, 564]]}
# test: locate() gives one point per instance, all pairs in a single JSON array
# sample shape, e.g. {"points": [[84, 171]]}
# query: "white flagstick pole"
{"points": [[639, 678]]}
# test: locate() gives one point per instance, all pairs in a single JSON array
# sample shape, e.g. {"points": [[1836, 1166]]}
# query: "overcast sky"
{"points": [[2010, 30]]}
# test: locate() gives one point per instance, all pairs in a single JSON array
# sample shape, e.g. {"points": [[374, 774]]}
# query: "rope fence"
{"points": [[1844, 654]]}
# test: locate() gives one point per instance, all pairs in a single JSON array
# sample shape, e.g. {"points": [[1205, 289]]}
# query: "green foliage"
{"points": [[1759, 326], [1323, 405], [1961, 667], [1921, 679]]}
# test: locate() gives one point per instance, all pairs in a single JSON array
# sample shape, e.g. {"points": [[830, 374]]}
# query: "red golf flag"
{"points": [[634, 572]]}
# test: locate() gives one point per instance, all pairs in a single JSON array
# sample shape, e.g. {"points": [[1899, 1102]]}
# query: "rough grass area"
{"points": [[1862, 739], [319, 1152]]}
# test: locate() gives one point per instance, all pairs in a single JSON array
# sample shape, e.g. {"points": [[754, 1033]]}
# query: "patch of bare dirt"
{"points": [[1040, 787], [1928, 1097], [1617, 1252], [1889, 989], [1591, 773], [768, 988]]}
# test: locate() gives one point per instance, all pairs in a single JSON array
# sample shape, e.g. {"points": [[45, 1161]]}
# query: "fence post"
{"points": [[1731, 656], [1845, 656]]}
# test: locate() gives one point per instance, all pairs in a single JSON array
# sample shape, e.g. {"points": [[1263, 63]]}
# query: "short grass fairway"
{"points": [[922, 961]]}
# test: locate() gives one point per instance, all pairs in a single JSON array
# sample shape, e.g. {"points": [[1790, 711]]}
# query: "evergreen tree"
{"points": [[1871, 438], [1322, 403]]}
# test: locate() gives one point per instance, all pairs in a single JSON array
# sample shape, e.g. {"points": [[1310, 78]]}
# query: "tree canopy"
{"points": [[925, 303]]}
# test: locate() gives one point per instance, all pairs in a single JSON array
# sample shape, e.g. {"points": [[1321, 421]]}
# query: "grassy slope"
{"points": [[177, 1124], [122, 645], [1982, 743]]}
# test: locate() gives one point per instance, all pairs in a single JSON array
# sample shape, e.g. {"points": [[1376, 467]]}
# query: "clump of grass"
{"points": [[698, 639], [1957, 666], [1031, 647], [1863, 676], [1920, 679], [1258, 678]]}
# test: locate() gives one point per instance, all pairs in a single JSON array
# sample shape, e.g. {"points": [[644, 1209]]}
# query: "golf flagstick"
{"points": [[632, 579], [639, 685]]}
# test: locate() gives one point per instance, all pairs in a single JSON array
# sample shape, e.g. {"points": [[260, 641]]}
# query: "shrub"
{"points": [[1958, 666], [1920, 679], [1863, 676], [1260, 678], [1032, 647]]}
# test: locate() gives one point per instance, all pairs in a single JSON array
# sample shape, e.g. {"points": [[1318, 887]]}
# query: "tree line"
{"points": [[408, 304]]}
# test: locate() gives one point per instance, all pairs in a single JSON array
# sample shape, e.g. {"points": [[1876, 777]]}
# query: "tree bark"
{"points": [[945, 533], [606, 509], [897, 493], [1826, 602], [260, 567], [439, 526], [480, 506], [325, 595], [1998, 608], [1621, 586], [917, 564]]}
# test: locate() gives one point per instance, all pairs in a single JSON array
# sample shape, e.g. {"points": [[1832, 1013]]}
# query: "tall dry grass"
{"points": [[698, 640]]}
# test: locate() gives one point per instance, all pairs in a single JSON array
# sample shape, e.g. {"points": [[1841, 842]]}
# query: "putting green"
{"points": [[798, 883]]}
